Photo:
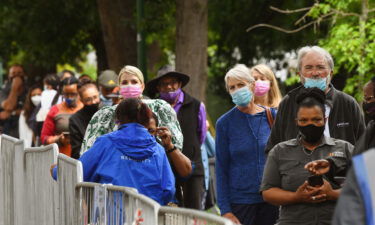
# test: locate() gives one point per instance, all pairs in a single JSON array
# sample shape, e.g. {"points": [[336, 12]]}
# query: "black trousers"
{"points": [[193, 192], [256, 214]]}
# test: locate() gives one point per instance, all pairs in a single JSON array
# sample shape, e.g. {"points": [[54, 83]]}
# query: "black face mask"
{"points": [[91, 108], [311, 133], [369, 109]]}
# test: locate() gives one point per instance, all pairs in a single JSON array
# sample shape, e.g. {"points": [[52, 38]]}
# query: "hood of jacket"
{"points": [[134, 141]]}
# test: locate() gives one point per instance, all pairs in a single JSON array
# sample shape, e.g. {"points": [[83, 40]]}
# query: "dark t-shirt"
{"points": [[285, 169]]}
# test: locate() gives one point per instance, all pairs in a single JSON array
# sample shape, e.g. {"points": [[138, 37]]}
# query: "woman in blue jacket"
{"points": [[241, 135], [131, 156]]}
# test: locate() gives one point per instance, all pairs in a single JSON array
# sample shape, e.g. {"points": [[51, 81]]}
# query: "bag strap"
{"points": [[269, 117]]}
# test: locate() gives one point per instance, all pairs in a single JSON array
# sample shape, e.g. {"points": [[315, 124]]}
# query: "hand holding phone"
{"points": [[315, 180]]}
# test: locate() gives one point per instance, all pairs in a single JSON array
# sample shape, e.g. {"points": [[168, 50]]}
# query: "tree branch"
{"points": [[345, 13], [290, 31], [371, 10], [287, 11]]}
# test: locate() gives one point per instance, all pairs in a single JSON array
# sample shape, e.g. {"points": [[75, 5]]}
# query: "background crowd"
{"points": [[278, 160]]}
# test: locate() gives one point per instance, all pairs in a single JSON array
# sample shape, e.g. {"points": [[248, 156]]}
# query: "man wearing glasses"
{"points": [[345, 120], [191, 115]]}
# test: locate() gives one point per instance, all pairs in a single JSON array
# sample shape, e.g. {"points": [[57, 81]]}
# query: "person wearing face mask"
{"points": [[266, 91], [50, 85], [89, 95], [108, 82], [56, 126], [27, 125], [191, 115], [345, 119], [285, 178], [131, 85], [130, 156], [241, 135], [12, 97]]}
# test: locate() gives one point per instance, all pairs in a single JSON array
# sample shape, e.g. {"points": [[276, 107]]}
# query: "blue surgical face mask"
{"points": [[242, 96], [106, 101], [71, 102], [320, 83]]}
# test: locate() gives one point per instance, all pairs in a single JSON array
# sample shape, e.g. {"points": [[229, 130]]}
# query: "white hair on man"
{"points": [[321, 51], [239, 72]]}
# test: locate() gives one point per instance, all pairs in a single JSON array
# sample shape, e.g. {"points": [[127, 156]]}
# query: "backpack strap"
{"points": [[269, 117]]}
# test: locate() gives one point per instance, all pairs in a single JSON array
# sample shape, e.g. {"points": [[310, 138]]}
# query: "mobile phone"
{"points": [[315, 180], [66, 133]]}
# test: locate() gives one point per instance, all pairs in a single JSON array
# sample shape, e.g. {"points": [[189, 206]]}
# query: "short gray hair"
{"points": [[321, 51], [239, 72]]}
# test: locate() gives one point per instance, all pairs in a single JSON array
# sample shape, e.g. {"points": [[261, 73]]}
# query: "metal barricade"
{"points": [[138, 207], [68, 176], [11, 181], [113, 205], [183, 216], [40, 202]]}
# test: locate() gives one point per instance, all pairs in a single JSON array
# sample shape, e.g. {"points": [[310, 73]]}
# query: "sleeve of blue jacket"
{"points": [[222, 167], [168, 180], [91, 159]]}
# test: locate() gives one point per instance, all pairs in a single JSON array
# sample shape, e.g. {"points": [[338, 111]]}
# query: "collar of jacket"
{"points": [[129, 125], [296, 141]]}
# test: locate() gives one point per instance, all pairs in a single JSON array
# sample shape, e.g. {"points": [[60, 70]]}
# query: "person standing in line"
{"points": [[367, 140], [267, 92], [241, 135], [305, 200], [108, 82], [191, 115], [345, 118], [56, 126], [12, 97], [131, 86], [28, 127], [130, 156], [89, 95]]}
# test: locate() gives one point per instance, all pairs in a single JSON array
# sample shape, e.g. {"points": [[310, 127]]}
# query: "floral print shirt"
{"points": [[103, 122]]}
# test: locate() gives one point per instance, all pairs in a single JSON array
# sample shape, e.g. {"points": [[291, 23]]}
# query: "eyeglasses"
{"points": [[166, 84], [368, 98]]}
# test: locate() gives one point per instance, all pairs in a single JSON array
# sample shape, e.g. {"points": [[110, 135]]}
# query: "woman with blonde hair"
{"points": [[131, 84], [267, 92]]}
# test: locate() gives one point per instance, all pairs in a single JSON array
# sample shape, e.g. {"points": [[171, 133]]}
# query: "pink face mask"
{"points": [[261, 87], [130, 91]]}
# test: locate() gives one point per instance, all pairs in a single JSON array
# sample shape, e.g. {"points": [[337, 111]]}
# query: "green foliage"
{"points": [[47, 32], [350, 41]]}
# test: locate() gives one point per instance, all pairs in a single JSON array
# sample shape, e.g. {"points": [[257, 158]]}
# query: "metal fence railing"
{"points": [[183, 216], [29, 195], [68, 176], [41, 191], [11, 180], [115, 205]]}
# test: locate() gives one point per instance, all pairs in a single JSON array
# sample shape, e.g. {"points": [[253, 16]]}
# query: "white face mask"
{"points": [[36, 99]]}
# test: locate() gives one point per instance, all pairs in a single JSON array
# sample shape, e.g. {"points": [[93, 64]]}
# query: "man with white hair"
{"points": [[345, 119]]}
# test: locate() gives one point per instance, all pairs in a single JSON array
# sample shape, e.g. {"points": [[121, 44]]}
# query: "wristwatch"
{"points": [[172, 149]]}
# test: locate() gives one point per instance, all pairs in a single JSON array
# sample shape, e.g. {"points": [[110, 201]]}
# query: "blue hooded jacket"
{"points": [[130, 157]]}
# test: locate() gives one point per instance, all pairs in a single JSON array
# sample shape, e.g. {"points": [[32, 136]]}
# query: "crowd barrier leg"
{"points": [[40, 188], [11, 181]]}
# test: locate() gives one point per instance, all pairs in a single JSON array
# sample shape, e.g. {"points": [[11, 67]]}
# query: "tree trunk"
{"points": [[119, 34], [191, 44]]}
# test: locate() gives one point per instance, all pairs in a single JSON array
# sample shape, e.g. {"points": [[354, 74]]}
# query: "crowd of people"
{"points": [[278, 159]]}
